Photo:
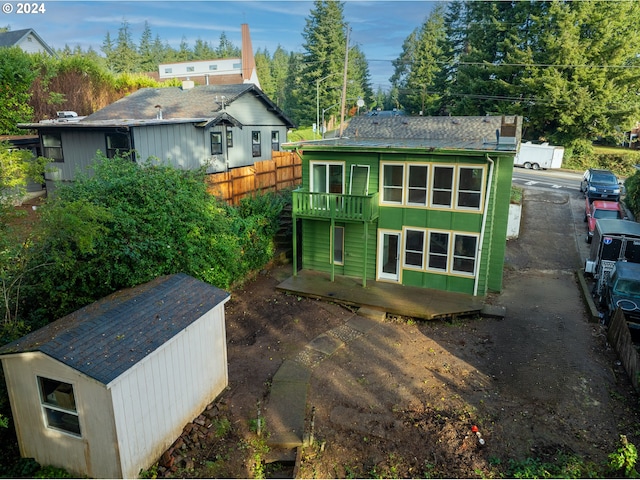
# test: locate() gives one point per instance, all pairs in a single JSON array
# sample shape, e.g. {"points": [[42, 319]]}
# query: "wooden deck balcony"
{"points": [[347, 208]]}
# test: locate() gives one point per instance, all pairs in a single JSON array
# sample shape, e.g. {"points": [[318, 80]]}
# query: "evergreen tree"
{"points": [[294, 90], [146, 59], [203, 51], [108, 48], [263, 67], [279, 71], [125, 56], [325, 43], [226, 49]]}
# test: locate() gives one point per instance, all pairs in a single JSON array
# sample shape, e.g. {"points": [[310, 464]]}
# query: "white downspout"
{"points": [[484, 223]]}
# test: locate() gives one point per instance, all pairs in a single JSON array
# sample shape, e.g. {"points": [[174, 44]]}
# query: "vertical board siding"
{"points": [[279, 174], [180, 378]]}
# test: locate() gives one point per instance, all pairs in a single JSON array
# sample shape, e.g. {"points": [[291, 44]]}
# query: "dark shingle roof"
{"points": [[108, 337], [426, 128], [459, 133], [199, 102]]}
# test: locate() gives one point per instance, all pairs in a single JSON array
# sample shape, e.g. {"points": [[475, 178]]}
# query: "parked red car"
{"points": [[601, 209]]}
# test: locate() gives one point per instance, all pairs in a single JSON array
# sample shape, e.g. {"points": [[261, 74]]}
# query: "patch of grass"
{"points": [[516, 195]]}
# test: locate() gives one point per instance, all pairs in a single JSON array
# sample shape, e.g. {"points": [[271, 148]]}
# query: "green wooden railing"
{"points": [[348, 208]]}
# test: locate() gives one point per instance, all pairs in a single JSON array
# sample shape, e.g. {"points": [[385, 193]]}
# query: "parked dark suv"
{"points": [[600, 184], [622, 290]]}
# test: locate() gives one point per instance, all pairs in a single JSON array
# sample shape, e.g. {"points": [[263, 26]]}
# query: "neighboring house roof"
{"points": [[16, 38], [201, 104], [487, 133], [108, 337]]}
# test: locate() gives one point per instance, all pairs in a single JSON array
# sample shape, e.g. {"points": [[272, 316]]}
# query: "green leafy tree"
{"points": [[203, 51], [147, 61], [16, 77]]}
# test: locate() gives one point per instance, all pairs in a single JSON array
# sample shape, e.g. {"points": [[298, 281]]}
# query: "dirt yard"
{"points": [[402, 402]]}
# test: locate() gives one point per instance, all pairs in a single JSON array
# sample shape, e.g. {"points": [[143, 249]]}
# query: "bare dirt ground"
{"points": [[402, 401]]}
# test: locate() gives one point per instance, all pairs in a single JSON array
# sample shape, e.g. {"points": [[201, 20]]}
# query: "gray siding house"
{"points": [[104, 391], [217, 126]]}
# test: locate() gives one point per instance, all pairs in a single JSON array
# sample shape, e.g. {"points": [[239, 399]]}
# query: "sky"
{"points": [[378, 27]]}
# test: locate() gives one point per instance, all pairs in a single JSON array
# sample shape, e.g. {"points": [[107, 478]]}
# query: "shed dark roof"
{"points": [[108, 337], [203, 102]]}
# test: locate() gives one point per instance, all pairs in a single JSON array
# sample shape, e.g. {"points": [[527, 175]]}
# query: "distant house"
{"points": [[216, 126], [27, 39], [104, 391], [418, 201], [222, 71]]}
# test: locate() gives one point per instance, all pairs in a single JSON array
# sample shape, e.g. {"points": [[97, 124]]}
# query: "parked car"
{"points": [[600, 184], [622, 289], [601, 209]]}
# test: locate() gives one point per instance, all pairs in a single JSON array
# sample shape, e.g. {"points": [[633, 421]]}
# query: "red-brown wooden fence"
{"points": [[283, 172]]}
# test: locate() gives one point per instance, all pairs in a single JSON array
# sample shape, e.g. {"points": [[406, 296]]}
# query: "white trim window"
{"points": [[470, 187], [52, 146], [58, 403], [417, 184], [438, 253], [392, 183], [327, 177], [414, 247], [442, 186], [464, 254]]}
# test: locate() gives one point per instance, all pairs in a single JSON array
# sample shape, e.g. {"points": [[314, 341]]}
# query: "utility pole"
{"points": [[344, 82]]}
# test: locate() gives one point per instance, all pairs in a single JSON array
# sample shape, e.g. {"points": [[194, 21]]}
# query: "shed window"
{"points": [[52, 146], [216, 143], [275, 140], [256, 145], [117, 144], [59, 405], [229, 138]]}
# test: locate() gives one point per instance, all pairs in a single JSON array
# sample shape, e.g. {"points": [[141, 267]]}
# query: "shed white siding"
{"points": [[95, 454], [169, 388]]}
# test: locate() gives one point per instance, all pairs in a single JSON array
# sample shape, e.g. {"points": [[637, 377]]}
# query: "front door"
{"points": [[389, 256]]}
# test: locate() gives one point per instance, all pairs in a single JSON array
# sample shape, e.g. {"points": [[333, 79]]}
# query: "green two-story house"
{"points": [[418, 201]]}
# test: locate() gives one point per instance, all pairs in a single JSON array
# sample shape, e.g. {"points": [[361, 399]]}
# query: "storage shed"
{"points": [[104, 391]]}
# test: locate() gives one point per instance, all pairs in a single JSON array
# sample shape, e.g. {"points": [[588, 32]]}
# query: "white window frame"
{"points": [[51, 407], [480, 192], [395, 187], [405, 250], [454, 256], [408, 186], [328, 164], [445, 255], [435, 190]]}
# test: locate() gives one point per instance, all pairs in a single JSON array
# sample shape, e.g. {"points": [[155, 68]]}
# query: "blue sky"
{"points": [[378, 27]]}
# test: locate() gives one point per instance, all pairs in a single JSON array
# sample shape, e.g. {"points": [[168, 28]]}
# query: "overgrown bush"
{"points": [[127, 224]]}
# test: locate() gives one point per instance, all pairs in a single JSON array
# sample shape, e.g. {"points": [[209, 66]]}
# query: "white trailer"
{"points": [[537, 156]]}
